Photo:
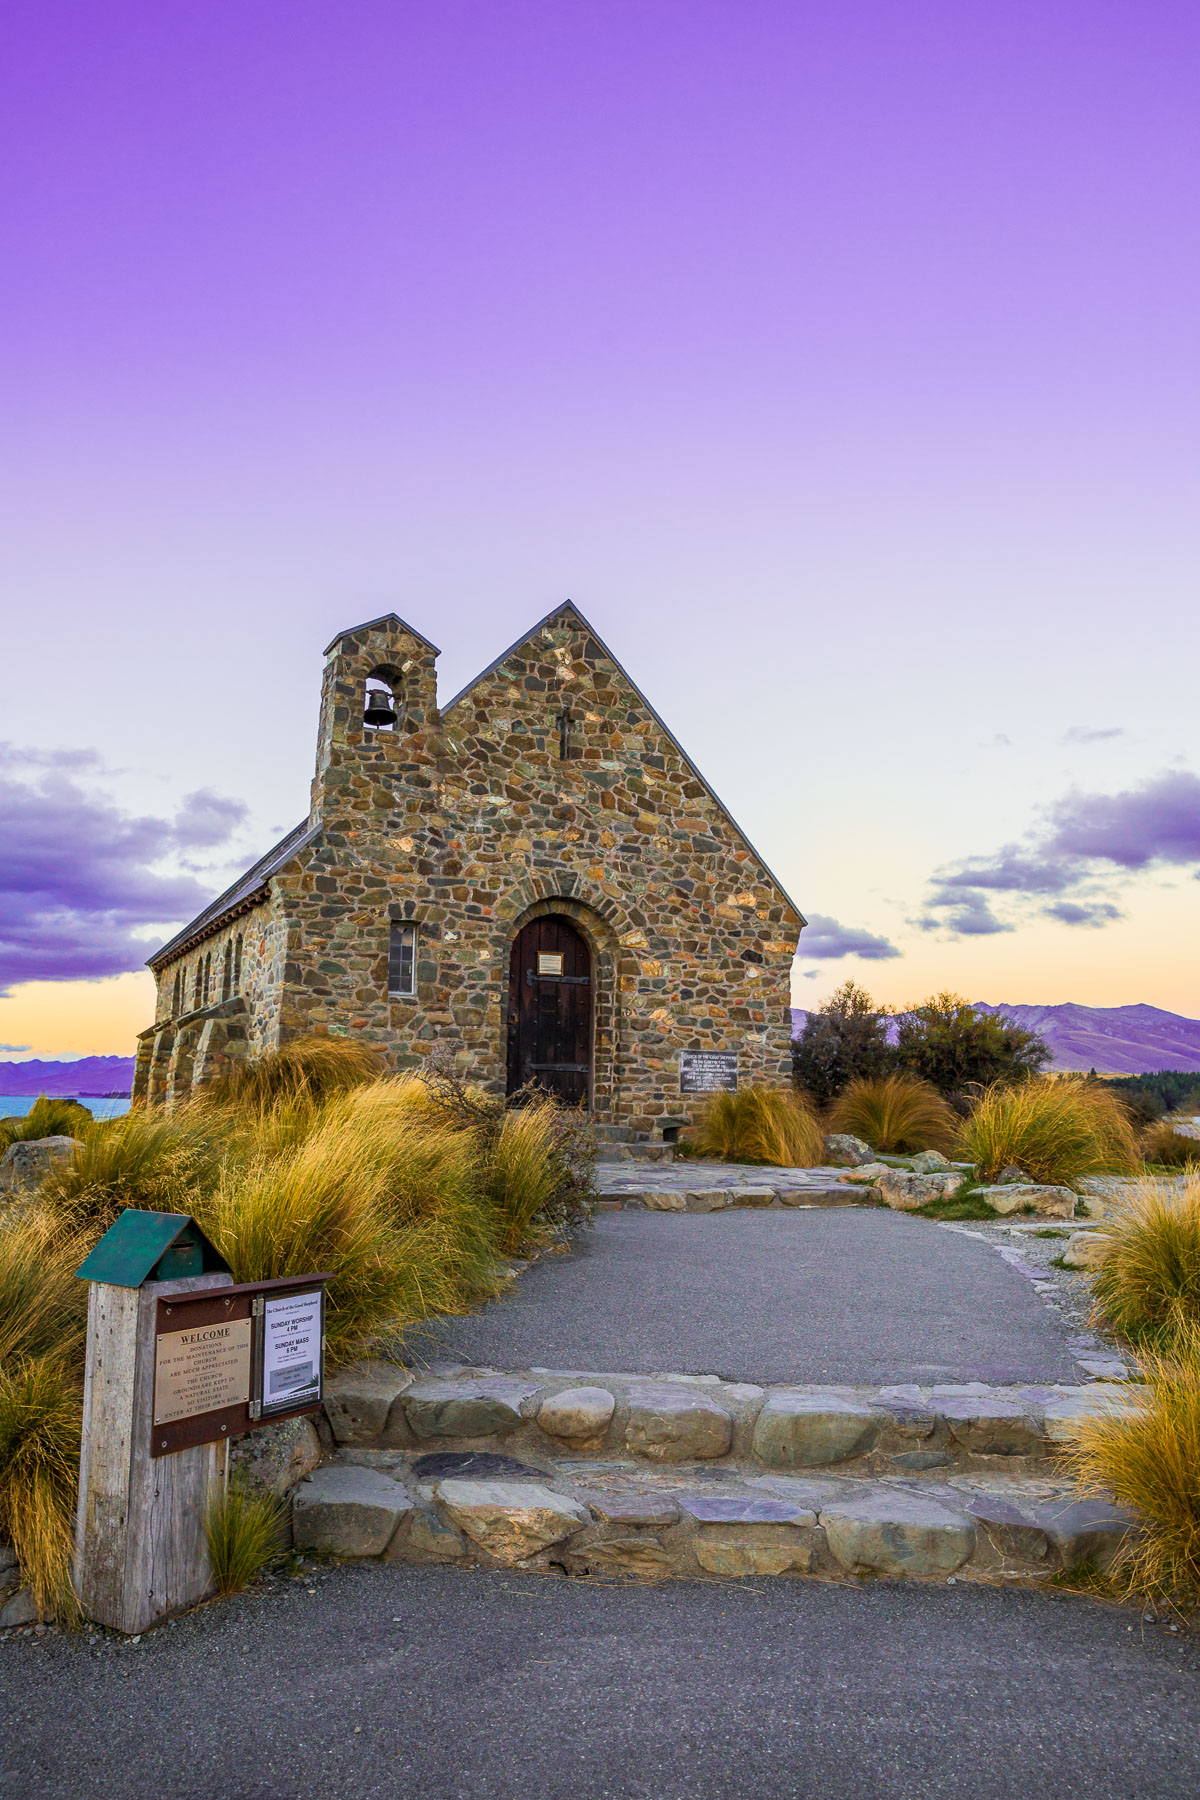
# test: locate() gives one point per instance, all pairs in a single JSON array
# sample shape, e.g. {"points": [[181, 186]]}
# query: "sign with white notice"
{"points": [[708, 1071], [291, 1350]]}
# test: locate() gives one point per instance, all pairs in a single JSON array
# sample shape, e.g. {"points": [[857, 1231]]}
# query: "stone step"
{"points": [[494, 1511], [546, 1415], [632, 1153]]}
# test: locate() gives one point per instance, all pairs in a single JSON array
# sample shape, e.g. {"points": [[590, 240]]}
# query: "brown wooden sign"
{"points": [[230, 1359]]}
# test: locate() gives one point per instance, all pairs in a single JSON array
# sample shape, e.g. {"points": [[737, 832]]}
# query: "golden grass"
{"points": [[760, 1125], [244, 1528], [1147, 1287], [1146, 1456], [146, 1158], [43, 1307], [520, 1173], [309, 1068], [1169, 1149], [41, 1419], [895, 1113], [1053, 1130]]}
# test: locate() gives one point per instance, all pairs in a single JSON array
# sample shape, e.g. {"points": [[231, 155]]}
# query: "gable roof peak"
{"points": [[393, 621]]}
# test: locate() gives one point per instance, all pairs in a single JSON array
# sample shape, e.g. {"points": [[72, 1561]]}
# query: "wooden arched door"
{"points": [[550, 1010]]}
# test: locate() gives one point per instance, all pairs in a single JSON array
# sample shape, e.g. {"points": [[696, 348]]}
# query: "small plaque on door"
{"points": [[550, 962]]}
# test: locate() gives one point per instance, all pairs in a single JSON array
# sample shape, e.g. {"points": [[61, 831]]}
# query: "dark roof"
{"points": [[569, 606], [248, 887], [387, 619]]}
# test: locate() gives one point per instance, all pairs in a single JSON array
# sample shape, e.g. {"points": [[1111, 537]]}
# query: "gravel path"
{"points": [[854, 1295], [381, 1682]]}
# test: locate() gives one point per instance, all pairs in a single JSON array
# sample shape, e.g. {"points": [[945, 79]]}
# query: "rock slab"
{"points": [[510, 1520], [898, 1533], [348, 1511], [800, 1429]]}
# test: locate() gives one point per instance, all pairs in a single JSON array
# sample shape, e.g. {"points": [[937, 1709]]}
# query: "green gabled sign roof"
{"points": [[132, 1248]]}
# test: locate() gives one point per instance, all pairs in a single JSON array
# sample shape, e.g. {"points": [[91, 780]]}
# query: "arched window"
{"points": [[198, 984], [207, 975], [227, 978], [381, 700], [176, 994], [237, 963]]}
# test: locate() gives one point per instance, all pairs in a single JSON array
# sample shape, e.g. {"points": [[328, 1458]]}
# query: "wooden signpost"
{"points": [[179, 1360]]}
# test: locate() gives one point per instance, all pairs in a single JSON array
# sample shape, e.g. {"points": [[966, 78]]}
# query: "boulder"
{"points": [[662, 1200], [1100, 1399], [845, 1152], [359, 1399], [867, 1174], [1011, 1197], [1010, 1172], [1010, 1530], [511, 1520], [274, 1458], [752, 1550], [802, 1429], [486, 1406], [704, 1200], [430, 1538], [21, 1609], [930, 1162], [898, 1532], [669, 1424], [24, 1166], [348, 1511], [986, 1423], [1086, 1530], [1084, 1250], [577, 1413], [905, 1192], [642, 1555]]}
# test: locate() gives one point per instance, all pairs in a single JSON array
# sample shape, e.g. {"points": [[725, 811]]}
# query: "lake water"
{"points": [[15, 1106]]}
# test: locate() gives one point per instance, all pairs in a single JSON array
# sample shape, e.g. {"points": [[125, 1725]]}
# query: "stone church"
{"points": [[535, 875]]}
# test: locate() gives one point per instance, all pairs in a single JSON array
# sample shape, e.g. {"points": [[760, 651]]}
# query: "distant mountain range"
{"points": [[1114, 1040], [90, 1075]]}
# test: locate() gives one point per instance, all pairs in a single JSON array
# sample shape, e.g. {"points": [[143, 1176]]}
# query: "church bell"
{"points": [[380, 709]]}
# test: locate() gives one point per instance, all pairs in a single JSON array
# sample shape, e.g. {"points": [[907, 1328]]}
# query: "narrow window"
{"points": [[175, 996], [566, 726], [237, 963], [207, 975], [402, 960], [227, 977], [198, 983]]}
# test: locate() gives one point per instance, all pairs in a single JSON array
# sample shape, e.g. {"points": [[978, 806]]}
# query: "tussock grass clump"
{"points": [[1053, 1130], [1146, 1456], [1147, 1288], [244, 1528], [895, 1113], [41, 1417], [49, 1116], [760, 1125], [160, 1161], [1162, 1145], [309, 1068], [520, 1173], [43, 1307]]}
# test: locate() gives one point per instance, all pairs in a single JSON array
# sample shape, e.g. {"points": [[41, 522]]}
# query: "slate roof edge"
{"points": [[384, 619], [569, 606], [247, 891]]}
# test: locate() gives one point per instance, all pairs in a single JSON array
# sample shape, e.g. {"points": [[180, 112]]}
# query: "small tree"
{"points": [[843, 1040], [946, 1042]]}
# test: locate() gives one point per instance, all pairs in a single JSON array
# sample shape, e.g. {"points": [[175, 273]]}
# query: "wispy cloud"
{"points": [[1081, 841], [14, 1049], [78, 883], [1086, 734], [825, 938]]}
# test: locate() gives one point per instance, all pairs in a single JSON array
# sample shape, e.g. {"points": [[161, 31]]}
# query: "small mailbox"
{"points": [[151, 1246]]}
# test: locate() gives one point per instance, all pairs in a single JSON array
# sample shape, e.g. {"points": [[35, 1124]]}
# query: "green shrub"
{"points": [[1162, 1145], [1147, 1286], [1052, 1129], [1145, 1455], [946, 1042], [759, 1125], [47, 1117], [244, 1528], [845, 1040], [896, 1113]]}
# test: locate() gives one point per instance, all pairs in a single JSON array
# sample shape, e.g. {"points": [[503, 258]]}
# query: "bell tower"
{"points": [[379, 719]]}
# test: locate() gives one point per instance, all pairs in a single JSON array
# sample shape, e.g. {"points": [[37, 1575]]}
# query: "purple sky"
{"points": [[839, 361]]}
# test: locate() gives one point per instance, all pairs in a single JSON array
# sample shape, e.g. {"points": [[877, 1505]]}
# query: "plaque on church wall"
{"points": [[708, 1071]]}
